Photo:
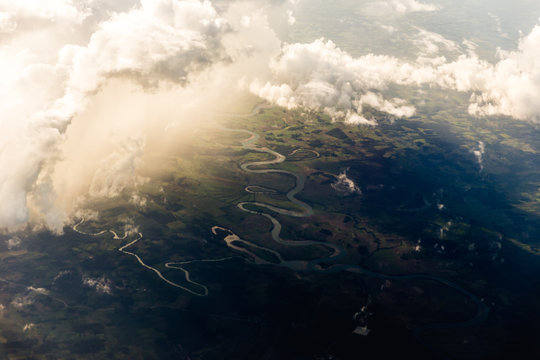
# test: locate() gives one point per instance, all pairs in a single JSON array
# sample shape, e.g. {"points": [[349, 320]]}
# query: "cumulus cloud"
{"points": [[40, 291], [290, 17], [345, 186], [117, 170], [29, 297], [22, 301], [509, 87], [158, 40], [320, 76]]}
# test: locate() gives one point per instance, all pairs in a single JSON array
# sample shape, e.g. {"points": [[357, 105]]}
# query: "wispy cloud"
{"points": [[479, 154], [397, 7]]}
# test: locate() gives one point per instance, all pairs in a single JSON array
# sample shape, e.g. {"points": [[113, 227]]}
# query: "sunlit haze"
{"points": [[309, 136]]}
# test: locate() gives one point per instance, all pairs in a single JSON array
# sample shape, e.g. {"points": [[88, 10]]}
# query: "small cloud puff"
{"points": [[101, 285], [345, 186], [13, 243]]}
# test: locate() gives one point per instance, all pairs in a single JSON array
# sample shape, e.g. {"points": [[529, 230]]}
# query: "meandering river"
{"points": [[248, 248]]}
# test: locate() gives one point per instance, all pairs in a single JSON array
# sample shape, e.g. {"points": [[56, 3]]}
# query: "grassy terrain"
{"points": [[425, 207]]}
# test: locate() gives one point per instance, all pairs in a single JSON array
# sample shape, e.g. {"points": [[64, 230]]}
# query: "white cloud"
{"points": [[510, 87], [28, 327], [7, 23], [117, 171], [355, 119], [13, 243], [291, 20], [246, 21], [41, 291], [45, 9], [320, 76], [389, 28], [29, 297], [479, 154], [138, 200], [431, 43], [20, 302], [497, 21], [101, 285], [397, 7], [61, 274], [48, 84], [345, 186]]}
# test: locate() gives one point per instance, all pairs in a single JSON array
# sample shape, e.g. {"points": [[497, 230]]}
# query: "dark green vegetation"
{"points": [[425, 208]]}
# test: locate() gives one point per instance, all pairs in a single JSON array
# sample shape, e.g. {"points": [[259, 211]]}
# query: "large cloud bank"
{"points": [[48, 84], [320, 76]]}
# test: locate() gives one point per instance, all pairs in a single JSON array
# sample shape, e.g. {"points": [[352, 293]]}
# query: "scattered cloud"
{"points": [[22, 301], [497, 21], [431, 43], [479, 154], [101, 285], [138, 200], [28, 327], [290, 17], [29, 297], [13, 243], [40, 291], [60, 275], [345, 186]]}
